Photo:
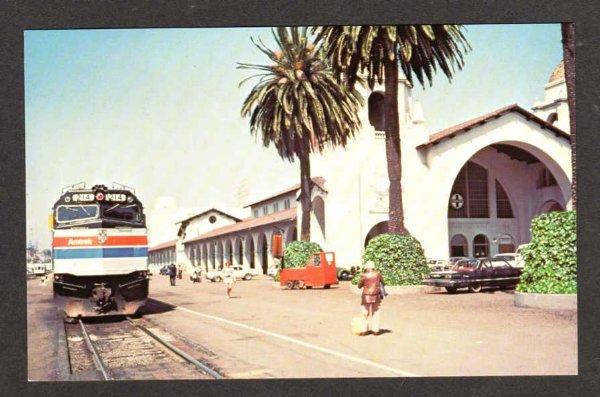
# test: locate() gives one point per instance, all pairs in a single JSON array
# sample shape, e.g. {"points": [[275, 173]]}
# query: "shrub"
{"points": [[551, 257], [297, 253], [398, 257]]}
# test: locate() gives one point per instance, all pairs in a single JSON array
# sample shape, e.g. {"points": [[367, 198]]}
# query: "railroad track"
{"points": [[129, 350]]}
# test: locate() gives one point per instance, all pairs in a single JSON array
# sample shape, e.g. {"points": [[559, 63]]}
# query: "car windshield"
{"points": [[466, 263], [499, 262], [70, 213]]}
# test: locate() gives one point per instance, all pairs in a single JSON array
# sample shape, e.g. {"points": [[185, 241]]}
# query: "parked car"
{"points": [[272, 271], [238, 271], [510, 257], [437, 264], [345, 274], [164, 271], [519, 262], [475, 274]]}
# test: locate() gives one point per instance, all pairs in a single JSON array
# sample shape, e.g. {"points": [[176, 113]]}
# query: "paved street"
{"points": [[266, 332]]}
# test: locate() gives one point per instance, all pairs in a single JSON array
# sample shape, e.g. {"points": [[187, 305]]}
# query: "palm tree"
{"points": [[377, 51], [568, 42], [299, 106]]}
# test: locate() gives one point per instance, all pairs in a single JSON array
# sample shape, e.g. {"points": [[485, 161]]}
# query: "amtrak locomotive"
{"points": [[99, 252]]}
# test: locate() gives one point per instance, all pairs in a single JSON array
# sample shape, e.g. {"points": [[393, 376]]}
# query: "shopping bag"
{"points": [[358, 325], [382, 292]]}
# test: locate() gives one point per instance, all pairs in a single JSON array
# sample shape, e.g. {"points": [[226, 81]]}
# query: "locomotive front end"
{"points": [[100, 250]]}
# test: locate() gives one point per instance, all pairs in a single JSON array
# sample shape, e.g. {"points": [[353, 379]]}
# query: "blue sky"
{"points": [[158, 109]]}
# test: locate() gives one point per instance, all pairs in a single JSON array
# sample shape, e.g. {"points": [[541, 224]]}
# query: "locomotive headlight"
{"points": [[130, 199], [99, 196], [67, 199]]}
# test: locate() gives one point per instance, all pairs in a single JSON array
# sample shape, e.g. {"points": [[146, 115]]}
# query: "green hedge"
{"points": [[297, 253], [551, 257], [398, 257]]}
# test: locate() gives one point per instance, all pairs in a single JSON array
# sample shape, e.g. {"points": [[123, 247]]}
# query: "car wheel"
{"points": [[451, 290], [212, 280], [219, 279], [289, 285], [247, 277], [344, 275], [327, 286], [475, 287]]}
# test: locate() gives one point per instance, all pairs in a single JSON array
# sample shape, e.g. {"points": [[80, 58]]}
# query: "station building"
{"points": [[471, 189]]}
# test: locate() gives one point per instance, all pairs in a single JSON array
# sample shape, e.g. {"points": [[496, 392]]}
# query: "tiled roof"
{"points": [[318, 180], [461, 128], [168, 244], [247, 224]]}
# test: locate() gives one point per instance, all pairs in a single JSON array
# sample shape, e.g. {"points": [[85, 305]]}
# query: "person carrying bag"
{"points": [[373, 292]]}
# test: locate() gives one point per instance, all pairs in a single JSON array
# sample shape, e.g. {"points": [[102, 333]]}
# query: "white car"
{"points": [[509, 257], [238, 271], [437, 264]]}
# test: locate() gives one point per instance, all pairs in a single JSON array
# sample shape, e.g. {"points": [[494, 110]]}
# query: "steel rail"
{"points": [[202, 367], [97, 360]]}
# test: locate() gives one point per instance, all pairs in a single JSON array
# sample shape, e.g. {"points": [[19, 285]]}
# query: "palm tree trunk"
{"points": [[568, 41], [305, 190], [392, 148]]}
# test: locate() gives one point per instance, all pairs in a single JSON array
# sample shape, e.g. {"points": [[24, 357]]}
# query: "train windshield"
{"points": [[70, 213], [122, 212]]}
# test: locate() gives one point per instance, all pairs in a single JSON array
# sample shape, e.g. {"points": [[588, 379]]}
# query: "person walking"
{"points": [[172, 273], [371, 282], [180, 272], [228, 277]]}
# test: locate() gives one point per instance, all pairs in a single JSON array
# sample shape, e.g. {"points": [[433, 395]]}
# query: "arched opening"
{"points": [[219, 255], [497, 192], [263, 248], [506, 244], [481, 246], [291, 235], [377, 110], [551, 206], [380, 228], [318, 206], [239, 251], [228, 251], [212, 255], [250, 251], [459, 246]]}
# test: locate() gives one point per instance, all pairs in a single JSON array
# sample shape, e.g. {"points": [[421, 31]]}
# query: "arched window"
{"points": [[481, 246], [319, 210], [377, 111], [503, 207], [459, 245], [545, 178], [469, 196], [506, 243], [552, 118]]}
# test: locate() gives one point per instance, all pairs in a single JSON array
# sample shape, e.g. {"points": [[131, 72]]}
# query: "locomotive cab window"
{"points": [[129, 212], [70, 213]]}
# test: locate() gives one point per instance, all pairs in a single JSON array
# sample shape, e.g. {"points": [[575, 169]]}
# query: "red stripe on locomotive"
{"points": [[92, 241]]}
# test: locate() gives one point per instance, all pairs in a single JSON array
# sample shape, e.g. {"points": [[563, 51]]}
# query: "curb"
{"points": [[546, 301]]}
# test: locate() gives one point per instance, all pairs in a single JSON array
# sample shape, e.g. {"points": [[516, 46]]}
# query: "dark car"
{"points": [[475, 274], [164, 270]]}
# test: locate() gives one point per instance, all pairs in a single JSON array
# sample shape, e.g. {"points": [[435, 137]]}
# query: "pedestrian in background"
{"points": [[180, 272], [228, 277], [371, 283], [172, 273]]}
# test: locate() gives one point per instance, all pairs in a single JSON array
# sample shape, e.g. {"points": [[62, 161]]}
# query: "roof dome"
{"points": [[558, 73]]}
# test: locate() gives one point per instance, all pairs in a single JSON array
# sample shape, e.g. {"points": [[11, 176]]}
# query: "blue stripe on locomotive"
{"points": [[96, 253]]}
